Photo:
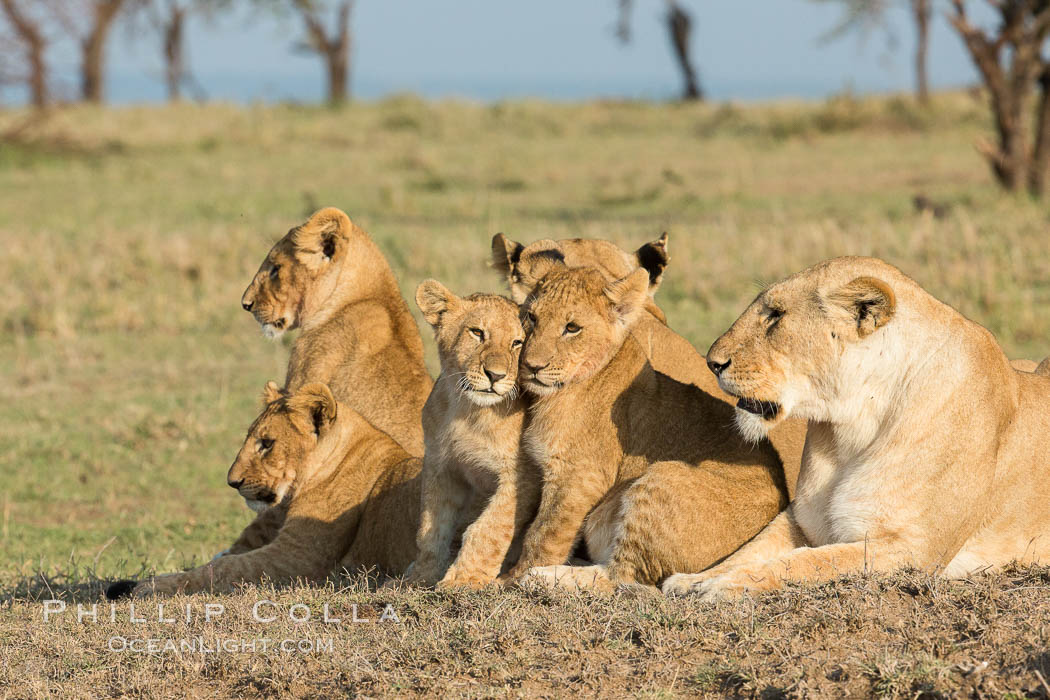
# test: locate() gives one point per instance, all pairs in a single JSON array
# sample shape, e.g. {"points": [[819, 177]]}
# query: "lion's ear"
{"points": [[505, 253], [653, 258], [435, 300], [870, 302], [627, 296], [316, 403], [323, 237], [271, 392]]}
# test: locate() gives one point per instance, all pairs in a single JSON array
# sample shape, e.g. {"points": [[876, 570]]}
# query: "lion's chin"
{"points": [[538, 389], [257, 506], [271, 331], [484, 398], [753, 427]]}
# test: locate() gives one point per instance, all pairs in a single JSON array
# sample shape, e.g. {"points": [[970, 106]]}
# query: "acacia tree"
{"points": [[1013, 68], [29, 36], [334, 47], [679, 26], [865, 15], [89, 23], [168, 18]]}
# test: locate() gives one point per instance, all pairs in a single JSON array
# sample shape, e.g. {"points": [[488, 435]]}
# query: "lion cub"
{"points": [[472, 424], [328, 278], [650, 469], [349, 496], [524, 266]]}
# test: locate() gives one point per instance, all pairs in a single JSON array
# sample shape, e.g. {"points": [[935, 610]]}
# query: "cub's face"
{"points": [[575, 322], [784, 355], [275, 451], [479, 340], [275, 295], [309, 258]]}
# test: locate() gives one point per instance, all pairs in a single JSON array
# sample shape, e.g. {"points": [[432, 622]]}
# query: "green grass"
{"points": [[130, 371]]}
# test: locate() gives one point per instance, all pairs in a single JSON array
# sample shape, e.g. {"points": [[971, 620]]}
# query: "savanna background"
{"points": [[130, 373]]}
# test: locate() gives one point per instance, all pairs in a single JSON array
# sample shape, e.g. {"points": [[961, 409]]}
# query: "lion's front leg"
{"points": [[444, 497], [809, 565], [780, 536], [304, 549], [488, 539], [567, 497], [261, 531]]}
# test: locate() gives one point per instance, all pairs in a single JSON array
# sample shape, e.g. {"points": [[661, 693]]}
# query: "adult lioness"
{"points": [[328, 278], [669, 353], [349, 495], [472, 423], [925, 447], [675, 482]]}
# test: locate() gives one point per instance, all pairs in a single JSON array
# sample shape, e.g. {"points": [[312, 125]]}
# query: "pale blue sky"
{"points": [[747, 49]]}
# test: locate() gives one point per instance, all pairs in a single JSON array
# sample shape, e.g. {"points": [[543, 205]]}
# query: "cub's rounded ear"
{"points": [[870, 303], [1044, 367], [435, 300], [315, 403], [323, 237], [505, 253], [271, 392], [628, 295], [653, 258]]}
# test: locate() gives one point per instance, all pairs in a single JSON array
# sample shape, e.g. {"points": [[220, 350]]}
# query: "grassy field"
{"points": [[130, 371]]}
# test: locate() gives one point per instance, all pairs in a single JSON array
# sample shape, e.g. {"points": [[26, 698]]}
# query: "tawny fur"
{"points": [[344, 496], [925, 448], [666, 480], [669, 353], [357, 335], [475, 475]]}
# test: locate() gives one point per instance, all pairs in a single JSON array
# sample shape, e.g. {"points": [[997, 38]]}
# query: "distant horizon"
{"points": [[490, 52]]}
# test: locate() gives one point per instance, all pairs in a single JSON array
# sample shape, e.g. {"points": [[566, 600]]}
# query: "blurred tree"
{"points": [[679, 25], [89, 23], [334, 49], [865, 15], [168, 19], [29, 37], [1011, 63]]}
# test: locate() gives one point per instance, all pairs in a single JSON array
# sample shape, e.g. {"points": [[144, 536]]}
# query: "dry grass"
{"points": [[130, 372]]}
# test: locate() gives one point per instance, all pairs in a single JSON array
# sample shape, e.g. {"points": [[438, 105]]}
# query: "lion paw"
{"points": [[464, 580], [572, 578]]}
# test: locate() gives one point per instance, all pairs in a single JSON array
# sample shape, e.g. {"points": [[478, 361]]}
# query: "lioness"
{"points": [[925, 447], [675, 482], [669, 353], [348, 494], [472, 424], [328, 278]]}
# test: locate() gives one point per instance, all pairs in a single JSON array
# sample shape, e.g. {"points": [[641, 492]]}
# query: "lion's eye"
{"points": [[478, 333], [774, 317], [516, 344], [274, 270], [572, 329], [265, 444]]}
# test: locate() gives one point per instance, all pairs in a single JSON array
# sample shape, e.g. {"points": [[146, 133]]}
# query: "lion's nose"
{"points": [[494, 376], [536, 368], [235, 484], [716, 366], [247, 305]]}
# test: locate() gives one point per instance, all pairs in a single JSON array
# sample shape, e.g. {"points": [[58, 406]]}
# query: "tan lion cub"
{"points": [[328, 278], [673, 483], [348, 492], [472, 423], [524, 266], [926, 448]]}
